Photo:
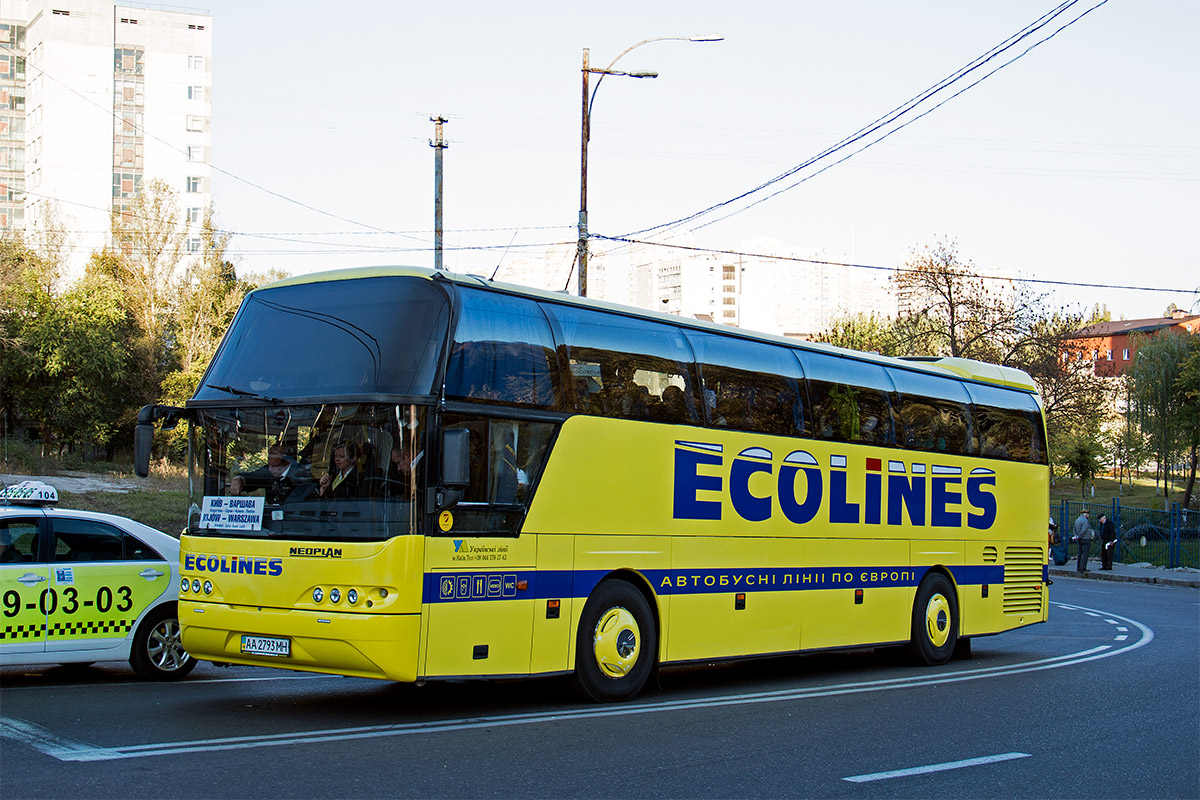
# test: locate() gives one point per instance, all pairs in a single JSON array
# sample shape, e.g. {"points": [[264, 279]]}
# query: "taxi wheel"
{"points": [[158, 653], [934, 621], [616, 644]]}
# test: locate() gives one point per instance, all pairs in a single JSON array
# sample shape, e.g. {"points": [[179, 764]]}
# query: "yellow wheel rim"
{"points": [[937, 619], [616, 643]]}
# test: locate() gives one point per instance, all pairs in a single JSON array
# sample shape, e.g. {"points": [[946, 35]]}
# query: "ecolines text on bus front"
{"points": [[928, 494]]}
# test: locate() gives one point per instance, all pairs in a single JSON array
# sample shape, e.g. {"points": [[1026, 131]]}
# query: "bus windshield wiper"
{"points": [[242, 393]]}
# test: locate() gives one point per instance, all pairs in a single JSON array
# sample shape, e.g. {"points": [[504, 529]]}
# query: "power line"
{"points": [[893, 115], [820, 262]]}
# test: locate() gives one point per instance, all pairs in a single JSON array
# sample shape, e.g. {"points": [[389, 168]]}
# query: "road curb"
{"points": [[1158, 580]]}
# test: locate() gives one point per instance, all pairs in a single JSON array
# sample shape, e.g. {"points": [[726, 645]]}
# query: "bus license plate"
{"points": [[266, 646]]}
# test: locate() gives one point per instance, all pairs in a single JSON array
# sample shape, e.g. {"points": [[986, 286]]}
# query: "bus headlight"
{"points": [[196, 585], [335, 595], [184, 585], [352, 596], [208, 587], [318, 594]]}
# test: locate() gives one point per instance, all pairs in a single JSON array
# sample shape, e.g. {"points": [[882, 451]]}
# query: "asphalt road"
{"points": [[1101, 701]]}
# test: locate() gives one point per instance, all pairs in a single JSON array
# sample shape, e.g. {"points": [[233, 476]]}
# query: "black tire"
{"points": [[616, 645], [934, 621], [157, 652]]}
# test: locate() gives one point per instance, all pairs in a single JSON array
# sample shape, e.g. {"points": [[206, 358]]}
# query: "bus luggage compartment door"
{"points": [[478, 606]]}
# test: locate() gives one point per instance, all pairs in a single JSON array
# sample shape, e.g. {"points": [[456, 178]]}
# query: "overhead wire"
{"points": [[893, 115], [823, 262]]}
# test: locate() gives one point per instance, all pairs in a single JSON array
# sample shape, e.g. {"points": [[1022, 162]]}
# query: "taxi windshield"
{"points": [[346, 472]]}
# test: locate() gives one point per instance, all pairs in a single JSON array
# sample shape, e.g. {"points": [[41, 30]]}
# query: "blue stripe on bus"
{"points": [[457, 587]]}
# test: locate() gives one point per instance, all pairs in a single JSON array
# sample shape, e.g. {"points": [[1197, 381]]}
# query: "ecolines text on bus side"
{"points": [[928, 494]]}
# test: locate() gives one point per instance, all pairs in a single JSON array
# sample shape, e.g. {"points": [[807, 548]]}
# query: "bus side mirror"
{"points": [[456, 458], [143, 433], [456, 468], [143, 438]]}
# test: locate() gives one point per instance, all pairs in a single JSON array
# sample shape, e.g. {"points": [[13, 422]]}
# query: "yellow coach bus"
{"points": [[404, 474]]}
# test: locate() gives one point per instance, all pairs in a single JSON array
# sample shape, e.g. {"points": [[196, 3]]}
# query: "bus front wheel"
{"points": [[934, 621], [616, 643]]}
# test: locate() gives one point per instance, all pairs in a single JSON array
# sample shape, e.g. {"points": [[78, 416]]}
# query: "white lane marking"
{"points": [[1121, 638], [1122, 628], [65, 750], [968, 762], [1111, 621]]}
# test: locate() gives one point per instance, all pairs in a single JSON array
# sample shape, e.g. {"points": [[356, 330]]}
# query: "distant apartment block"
{"points": [[788, 291], [1112, 346], [96, 99]]}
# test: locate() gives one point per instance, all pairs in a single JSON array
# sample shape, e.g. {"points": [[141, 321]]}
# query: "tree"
{"points": [[1081, 456], [70, 365], [1159, 403], [149, 239], [873, 334], [963, 314], [1187, 384]]}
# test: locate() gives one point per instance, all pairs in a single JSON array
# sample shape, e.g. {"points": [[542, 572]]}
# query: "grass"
{"points": [[161, 501], [159, 507], [1141, 495]]}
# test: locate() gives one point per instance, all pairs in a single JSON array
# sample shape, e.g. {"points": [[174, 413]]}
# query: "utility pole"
{"points": [[438, 145], [585, 126]]}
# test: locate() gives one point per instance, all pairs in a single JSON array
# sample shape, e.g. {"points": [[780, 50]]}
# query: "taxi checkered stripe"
{"points": [[111, 626], [22, 632]]}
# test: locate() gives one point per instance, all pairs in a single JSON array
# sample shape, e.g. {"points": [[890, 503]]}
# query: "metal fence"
{"points": [[1163, 538]]}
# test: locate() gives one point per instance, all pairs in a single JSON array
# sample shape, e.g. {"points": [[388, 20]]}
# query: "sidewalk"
{"points": [[1130, 573]]}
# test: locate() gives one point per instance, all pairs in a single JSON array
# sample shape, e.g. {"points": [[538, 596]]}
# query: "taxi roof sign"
{"points": [[30, 493]]}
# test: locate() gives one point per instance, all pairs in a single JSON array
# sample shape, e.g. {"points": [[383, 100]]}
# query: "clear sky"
{"points": [[1078, 162]]}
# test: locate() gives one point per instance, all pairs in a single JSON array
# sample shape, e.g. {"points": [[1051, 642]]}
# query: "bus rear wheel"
{"points": [[934, 621], [616, 644]]}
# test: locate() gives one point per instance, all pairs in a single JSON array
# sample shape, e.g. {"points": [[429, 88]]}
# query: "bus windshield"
{"points": [[345, 338], [347, 472]]}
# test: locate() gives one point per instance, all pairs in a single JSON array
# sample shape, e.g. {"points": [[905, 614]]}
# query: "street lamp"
{"points": [[586, 134]]}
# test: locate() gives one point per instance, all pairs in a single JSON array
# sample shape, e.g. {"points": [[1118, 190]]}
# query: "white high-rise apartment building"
{"points": [[96, 99], [787, 291]]}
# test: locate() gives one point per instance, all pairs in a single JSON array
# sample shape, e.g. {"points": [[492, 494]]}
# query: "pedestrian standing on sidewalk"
{"points": [[1082, 533], [1108, 541]]}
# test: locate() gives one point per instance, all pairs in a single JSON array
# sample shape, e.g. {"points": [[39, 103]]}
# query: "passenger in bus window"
{"points": [[344, 482], [281, 477], [401, 472], [674, 405]]}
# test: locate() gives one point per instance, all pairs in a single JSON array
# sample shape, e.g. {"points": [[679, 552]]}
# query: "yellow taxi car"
{"points": [[79, 587]]}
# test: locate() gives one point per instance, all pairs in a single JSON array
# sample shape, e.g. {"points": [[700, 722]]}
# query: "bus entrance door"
{"points": [[478, 605]]}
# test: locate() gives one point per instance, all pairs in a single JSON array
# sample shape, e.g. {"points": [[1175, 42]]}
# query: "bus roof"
{"points": [[962, 368]]}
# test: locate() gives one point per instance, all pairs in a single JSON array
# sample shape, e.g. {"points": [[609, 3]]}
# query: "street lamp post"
{"points": [[586, 132]]}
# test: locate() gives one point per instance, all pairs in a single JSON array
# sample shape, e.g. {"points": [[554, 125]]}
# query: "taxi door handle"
{"points": [[149, 573], [31, 579]]}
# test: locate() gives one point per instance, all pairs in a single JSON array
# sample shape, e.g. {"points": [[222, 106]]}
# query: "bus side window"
{"points": [[852, 400], [934, 413], [1009, 424], [626, 367], [503, 352], [506, 458], [753, 387]]}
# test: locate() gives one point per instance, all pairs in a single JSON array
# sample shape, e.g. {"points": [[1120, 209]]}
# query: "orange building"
{"points": [[1109, 346]]}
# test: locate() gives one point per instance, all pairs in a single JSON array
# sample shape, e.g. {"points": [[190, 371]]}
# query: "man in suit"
{"points": [[279, 477], [1108, 541]]}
